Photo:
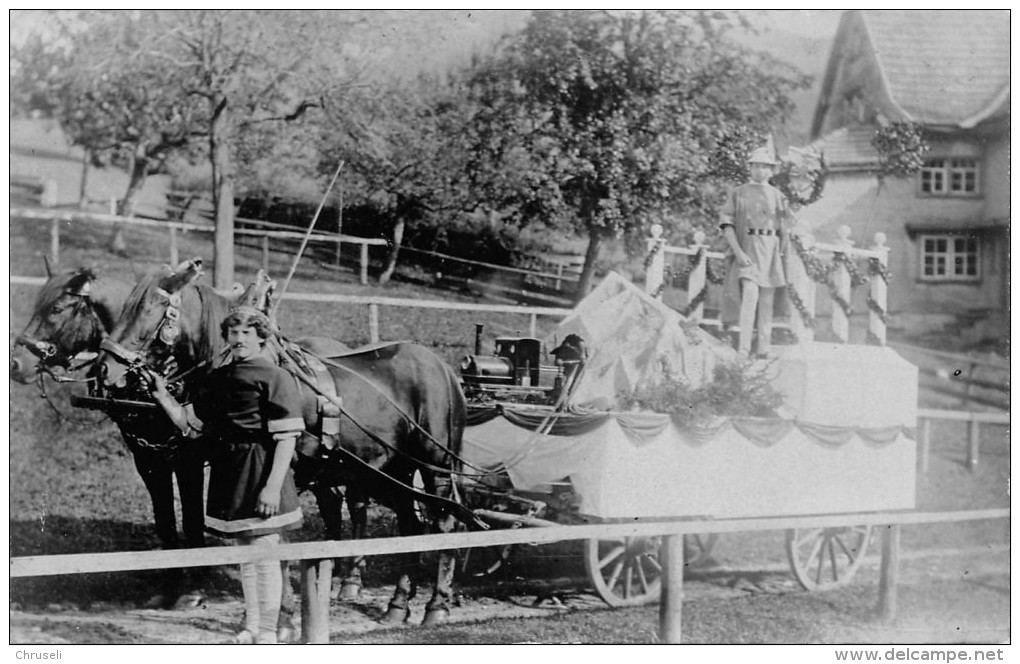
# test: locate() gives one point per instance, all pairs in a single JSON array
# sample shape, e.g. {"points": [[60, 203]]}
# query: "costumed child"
{"points": [[755, 220], [250, 410]]}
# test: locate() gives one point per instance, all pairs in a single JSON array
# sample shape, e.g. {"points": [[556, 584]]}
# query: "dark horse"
{"points": [[72, 314], [401, 411]]}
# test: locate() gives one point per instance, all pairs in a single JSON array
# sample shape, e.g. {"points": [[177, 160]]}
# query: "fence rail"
{"points": [[315, 602], [974, 420]]}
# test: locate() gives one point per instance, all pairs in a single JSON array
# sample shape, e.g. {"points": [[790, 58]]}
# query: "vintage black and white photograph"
{"points": [[491, 327]]}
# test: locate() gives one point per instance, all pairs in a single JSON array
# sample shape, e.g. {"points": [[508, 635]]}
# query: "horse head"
{"points": [[71, 314], [160, 327]]}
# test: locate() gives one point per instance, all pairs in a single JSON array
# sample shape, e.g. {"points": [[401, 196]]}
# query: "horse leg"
{"points": [[157, 476], [189, 468], [330, 500], [398, 610], [357, 507], [438, 608]]}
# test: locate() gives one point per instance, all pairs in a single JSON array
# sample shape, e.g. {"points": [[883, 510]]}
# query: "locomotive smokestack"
{"points": [[478, 338]]}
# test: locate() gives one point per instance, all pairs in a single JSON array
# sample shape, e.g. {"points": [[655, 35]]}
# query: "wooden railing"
{"points": [[805, 267], [316, 557]]}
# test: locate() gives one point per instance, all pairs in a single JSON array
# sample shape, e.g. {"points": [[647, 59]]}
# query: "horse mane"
{"points": [[214, 307], [138, 295]]}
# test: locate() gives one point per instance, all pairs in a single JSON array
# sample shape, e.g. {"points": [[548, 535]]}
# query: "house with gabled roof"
{"points": [[948, 225]]}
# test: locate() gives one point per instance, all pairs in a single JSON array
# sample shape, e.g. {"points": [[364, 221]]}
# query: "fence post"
{"points": [[373, 322], [55, 242], [316, 576], [265, 253], [364, 264], [924, 445], [655, 263], [973, 442], [841, 279], [533, 328], [173, 246], [671, 604], [559, 273], [879, 293], [696, 280], [889, 573]]}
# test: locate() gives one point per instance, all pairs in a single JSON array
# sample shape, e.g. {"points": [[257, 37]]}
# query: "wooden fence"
{"points": [[925, 416], [56, 217], [316, 557]]}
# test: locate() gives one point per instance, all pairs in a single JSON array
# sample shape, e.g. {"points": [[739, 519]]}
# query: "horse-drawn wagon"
{"points": [[843, 444]]}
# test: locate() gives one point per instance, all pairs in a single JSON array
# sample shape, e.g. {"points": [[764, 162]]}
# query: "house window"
{"points": [[946, 257], [949, 177]]}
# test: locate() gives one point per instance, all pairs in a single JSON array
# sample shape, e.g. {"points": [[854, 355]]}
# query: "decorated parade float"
{"points": [[654, 417]]}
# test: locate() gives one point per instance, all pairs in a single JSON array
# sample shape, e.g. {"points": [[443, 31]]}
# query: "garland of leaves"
{"points": [[782, 182], [798, 303], [856, 278], [695, 301], [656, 248], [877, 308], [815, 267], [875, 267], [712, 277], [902, 147]]}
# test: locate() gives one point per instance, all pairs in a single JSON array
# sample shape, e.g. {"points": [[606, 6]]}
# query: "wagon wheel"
{"points": [[625, 570], [824, 558]]}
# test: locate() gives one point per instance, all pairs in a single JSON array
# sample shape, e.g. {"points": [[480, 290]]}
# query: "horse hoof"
{"points": [[395, 616], [435, 617], [349, 592]]}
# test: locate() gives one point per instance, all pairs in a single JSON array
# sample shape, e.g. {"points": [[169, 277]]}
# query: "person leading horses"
{"points": [[252, 408]]}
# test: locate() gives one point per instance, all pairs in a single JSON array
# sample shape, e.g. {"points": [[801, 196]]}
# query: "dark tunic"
{"points": [[244, 407]]}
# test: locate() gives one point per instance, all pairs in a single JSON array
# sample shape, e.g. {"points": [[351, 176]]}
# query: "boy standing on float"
{"points": [[754, 220]]}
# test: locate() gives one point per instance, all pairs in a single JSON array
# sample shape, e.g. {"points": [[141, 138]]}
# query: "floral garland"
{"points": [[695, 302], [875, 267], [902, 147], [712, 277], [656, 248], [783, 179], [815, 267], [877, 308], [856, 278], [798, 302]]}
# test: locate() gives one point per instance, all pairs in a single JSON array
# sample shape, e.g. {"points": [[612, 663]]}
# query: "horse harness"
{"points": [[47, 351]]}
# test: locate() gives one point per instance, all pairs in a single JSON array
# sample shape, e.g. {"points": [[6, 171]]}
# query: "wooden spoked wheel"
{"points": [[825, 558], [626, 570]]}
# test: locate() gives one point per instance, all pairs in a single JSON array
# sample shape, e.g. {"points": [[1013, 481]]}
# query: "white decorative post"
{"points": [[697, 278], [655, 262], [879, 293], [841, 279]]}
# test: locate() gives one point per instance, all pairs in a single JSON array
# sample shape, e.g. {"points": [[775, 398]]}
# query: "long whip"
{"points": [[304, 242]]}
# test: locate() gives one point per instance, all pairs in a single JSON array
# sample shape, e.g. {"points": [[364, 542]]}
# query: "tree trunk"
{"points": [[223, 198], [591, 256], [139, 171], [391, 262]]}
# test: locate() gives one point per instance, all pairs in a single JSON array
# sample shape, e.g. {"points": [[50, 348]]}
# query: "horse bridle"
{"points": [[167, 331], [47, 351]]}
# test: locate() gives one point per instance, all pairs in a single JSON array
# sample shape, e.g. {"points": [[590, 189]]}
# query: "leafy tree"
{"points": [[604, 122]]}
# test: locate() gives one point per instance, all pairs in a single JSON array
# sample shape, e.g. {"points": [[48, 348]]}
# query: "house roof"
{"points": [[848, 147], [943, 67]]}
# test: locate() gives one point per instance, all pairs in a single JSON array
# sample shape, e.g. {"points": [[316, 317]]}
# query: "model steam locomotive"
{"points": [[515, 372]]}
